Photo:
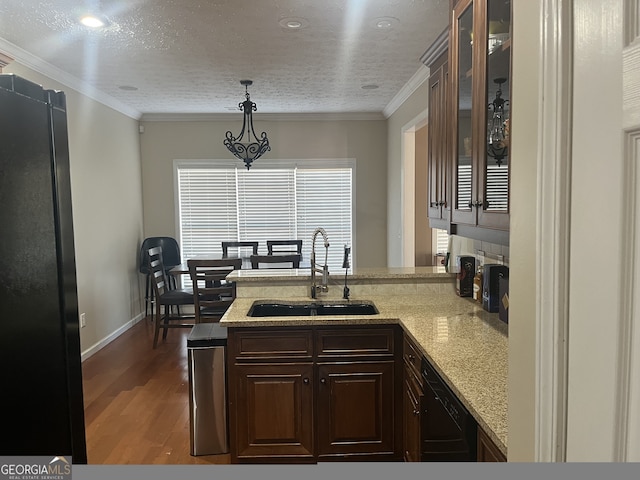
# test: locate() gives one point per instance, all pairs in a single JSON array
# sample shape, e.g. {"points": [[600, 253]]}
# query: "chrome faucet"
{"points": [[324, 270]]}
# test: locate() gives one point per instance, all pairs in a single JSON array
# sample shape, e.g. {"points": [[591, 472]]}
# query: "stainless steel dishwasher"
{"points": [[206, 348]]}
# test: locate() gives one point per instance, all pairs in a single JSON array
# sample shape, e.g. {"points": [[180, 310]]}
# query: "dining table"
{"points": [[183, 268]]}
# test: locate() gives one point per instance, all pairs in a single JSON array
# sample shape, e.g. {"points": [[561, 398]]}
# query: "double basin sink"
{"points": [[308, 309]]}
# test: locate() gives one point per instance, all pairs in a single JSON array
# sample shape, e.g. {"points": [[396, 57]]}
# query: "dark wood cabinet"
{"points": [[462, 107], [355, 410], [480, 61], [412, 402], [487, 450], [274, 411], [469, 109], [439, 182], [271, 395], [358, 401], [307, 394]]}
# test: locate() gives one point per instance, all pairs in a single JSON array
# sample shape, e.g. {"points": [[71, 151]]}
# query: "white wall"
{"points": [[412, 108], [107, 210], [164, 142], [597, 306], [569, 321], [522, 238]]}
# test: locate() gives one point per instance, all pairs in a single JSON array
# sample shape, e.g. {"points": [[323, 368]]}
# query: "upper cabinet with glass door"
{"points": [[481, 72]]}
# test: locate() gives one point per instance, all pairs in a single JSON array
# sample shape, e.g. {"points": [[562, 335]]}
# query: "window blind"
{"points": [[441, 241], [324, 200], [266, 205], [497, 187], [464, 187], [286, 201], [207, 209]]}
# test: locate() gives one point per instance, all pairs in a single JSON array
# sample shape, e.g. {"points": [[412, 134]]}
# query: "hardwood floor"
{"points": [[136, 401]]}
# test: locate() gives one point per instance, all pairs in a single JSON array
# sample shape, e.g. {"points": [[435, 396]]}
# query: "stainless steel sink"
{"points": [[302, 309]]}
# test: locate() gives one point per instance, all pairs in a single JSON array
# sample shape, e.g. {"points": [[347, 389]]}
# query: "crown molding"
{"points": [[270, 117], [421, 76], [437, 48], [38, 65]]}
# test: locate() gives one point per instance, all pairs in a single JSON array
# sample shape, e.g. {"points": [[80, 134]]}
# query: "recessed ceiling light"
{"points": [[128, 88], [293, 23], [370, 86], [92, 21], [385, 23]]}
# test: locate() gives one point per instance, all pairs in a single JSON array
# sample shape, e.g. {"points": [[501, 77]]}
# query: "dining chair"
{"points": [[212, 293], [171, 258], [166, 297], [276, 261], [226, 245], [279, 247]]}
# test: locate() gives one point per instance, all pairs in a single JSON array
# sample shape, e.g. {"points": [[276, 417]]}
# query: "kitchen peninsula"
{"points": [[464, 344]]}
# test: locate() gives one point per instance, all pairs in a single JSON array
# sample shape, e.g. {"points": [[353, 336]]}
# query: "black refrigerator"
{"points": [[41, 395]]}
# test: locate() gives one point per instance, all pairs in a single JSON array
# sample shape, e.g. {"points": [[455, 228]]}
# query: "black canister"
{"points": [[466, 266]]}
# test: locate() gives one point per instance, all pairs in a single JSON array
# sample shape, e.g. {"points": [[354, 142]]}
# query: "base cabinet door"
{"points": [[412, 405], [487, 450], [274, 412], [354, 401], [311, 394]]}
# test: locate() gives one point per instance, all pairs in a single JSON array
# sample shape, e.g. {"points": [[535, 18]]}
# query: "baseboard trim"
{"points": [[96, 347]]}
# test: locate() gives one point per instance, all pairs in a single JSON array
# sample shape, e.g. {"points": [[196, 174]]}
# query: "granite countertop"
{"points": [[368, 274], [464, 343]]}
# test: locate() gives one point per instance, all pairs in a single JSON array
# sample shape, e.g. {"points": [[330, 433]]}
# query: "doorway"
{"points": [[416, 234]]}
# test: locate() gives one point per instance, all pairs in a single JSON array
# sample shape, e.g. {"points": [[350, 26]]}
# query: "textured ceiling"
{"points": [[188, 56]]}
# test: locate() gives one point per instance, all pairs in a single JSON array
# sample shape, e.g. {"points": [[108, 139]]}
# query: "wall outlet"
{"points": [[83, 320]]}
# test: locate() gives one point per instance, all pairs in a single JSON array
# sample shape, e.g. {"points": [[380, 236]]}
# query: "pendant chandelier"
{"points": [[247, 146], [498, 128]]}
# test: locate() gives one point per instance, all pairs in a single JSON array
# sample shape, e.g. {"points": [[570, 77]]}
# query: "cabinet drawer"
{"points": [[270, 343], [411, 356], [348, 342]]}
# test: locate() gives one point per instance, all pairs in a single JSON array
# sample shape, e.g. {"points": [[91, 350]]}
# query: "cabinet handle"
{"points": [[470, 205], [442, 203], [411, 357], [434, 204], [305, 381], [478, 204], [323, 381], [416, 412]]}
